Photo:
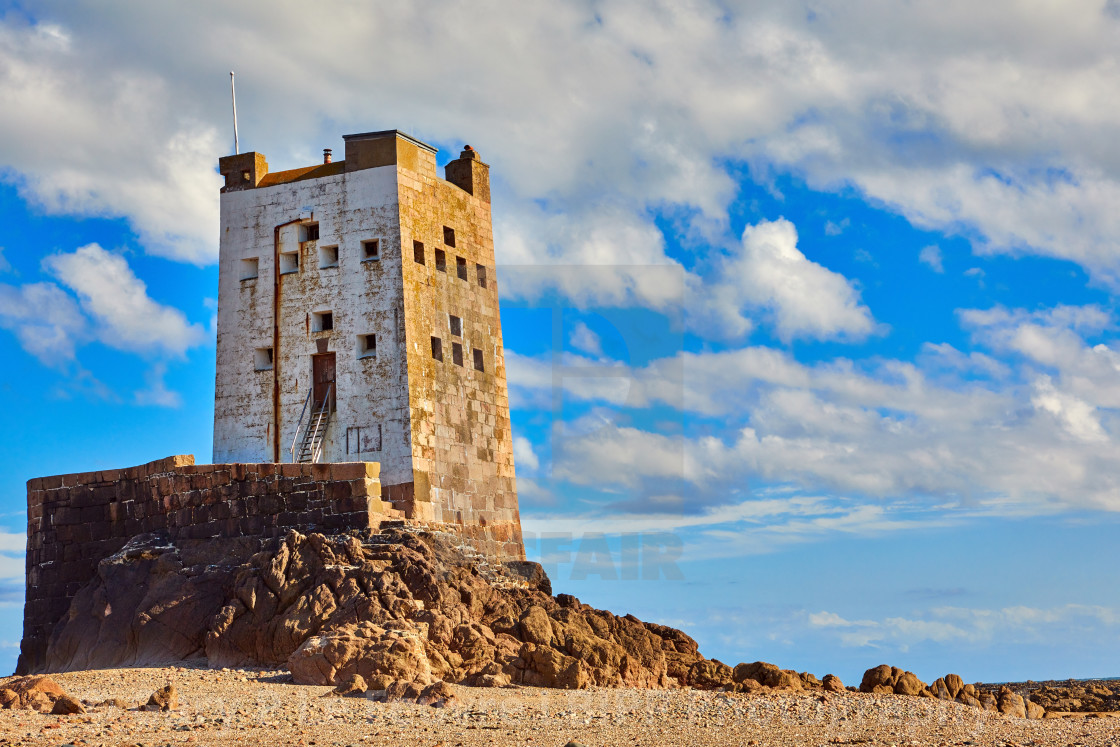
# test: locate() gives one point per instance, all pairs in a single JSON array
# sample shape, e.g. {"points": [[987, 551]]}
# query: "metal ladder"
{"points": [[311, 445]]}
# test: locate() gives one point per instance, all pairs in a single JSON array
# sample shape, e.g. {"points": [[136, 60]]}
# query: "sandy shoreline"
{"points": [[233, 707]]}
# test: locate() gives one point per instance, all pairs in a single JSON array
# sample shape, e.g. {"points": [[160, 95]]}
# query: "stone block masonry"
{"points": [[75, 521]]}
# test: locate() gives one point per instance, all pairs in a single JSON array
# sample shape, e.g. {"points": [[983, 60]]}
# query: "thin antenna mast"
{"points": [[233, 95]]}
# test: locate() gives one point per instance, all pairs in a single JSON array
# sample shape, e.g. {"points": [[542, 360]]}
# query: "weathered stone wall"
{"points": [[462, 442], [74, 521]]}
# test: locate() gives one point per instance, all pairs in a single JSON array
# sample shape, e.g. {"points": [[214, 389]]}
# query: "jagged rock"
{"points": [[809, 681], [164, 699], [1011, 703], [396, 606], [768, 675], [880, 679], [438, 695], [66, 706], [988, 701], [364, 650], [832, 684], [34, 693], [709, 674], [908, 684], [355, 684], [969, 700]]}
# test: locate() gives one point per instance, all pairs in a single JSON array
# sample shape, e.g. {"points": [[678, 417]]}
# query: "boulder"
{"points": [[955, 684], [988, 701], [709, 674], [1011, 703], [164, 699], [768, 675], [908, 684], [832, 684], [879, 679], [1034, 710], [67, 706], [364, 650], [355, 684], [36, 693]]}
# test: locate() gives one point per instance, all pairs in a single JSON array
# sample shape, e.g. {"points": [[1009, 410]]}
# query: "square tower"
{"points": [[358, 320]]}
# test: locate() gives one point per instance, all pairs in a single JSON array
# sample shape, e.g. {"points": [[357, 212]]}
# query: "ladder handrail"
{"points": [[300, 422], [324, 414]]}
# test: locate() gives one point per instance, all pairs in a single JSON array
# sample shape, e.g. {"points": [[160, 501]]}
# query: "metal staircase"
{"points": [[313, 434]]}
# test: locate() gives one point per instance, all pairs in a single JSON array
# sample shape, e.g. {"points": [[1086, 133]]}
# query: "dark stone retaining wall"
{"points": [[75, 521]]}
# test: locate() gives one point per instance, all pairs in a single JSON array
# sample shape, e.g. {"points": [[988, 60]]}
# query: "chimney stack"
{"points": [[326, 155]]}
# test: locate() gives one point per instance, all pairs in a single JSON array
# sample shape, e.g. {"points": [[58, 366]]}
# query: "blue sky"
{"points": [[814, 302]]}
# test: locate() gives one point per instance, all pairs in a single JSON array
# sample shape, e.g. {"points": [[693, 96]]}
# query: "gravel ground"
{"points": [[252, 707]]}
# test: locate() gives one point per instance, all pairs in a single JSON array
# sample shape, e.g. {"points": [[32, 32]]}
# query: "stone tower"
{"points": [[358, 321]]}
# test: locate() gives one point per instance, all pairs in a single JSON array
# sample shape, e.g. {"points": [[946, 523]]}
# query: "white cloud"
{"points": [[157, 394], [1018, 624], [1005, 136], [125, 316], [523, 454], [801, 298], [585, 340], [931, 255], [5, 265], [46, 321]]}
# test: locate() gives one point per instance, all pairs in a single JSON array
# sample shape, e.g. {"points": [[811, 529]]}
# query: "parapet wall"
{"points": [[75, 521]]}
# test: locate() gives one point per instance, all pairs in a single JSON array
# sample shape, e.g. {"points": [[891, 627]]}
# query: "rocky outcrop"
{"points": [[1074, 696], [40, 694], [892, 680], [391, 607]]}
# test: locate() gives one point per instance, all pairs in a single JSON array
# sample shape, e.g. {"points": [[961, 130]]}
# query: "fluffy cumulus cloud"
{"points": [[117, 301], [952, 427], [803, 299], [993, 120]]}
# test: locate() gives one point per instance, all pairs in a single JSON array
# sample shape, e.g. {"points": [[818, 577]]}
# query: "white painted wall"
{"points": [[364, 296]]}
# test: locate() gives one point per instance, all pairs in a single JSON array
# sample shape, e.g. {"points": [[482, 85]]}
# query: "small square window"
{"points": [[418, 251], [461, 268], [250, 268], [371, 249], [449, 236], [246, 176], [478, 360], [456, 326], [322, 321], [437, 348], [310, 232], [367, 346], [262, 359], [328, 257], [289, 263], [480, 271], [457, 353], [441, 260]]}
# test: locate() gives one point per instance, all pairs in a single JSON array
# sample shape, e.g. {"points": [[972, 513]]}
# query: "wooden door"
{"points": [[322, 372]]}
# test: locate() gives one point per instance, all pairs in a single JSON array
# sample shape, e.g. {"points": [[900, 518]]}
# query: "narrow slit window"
{"points": [[449, 236], [289, 263], [322, 321], [371, 249], [367, 346], [441, 260], [437, 348], [262, 359], [328, 257], [456, 325], [418, 252], [480, 271], [461, 267], [478, 360], [250, 268], [457, 353]]}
